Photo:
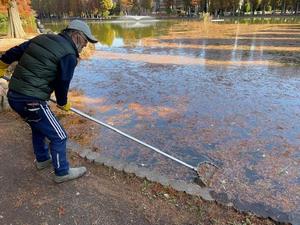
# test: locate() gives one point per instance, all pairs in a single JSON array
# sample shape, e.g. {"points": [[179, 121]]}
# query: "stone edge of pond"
{"points": [[141, 172], [193, 189]]}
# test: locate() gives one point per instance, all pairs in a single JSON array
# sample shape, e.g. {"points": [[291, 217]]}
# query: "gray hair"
{"points": [[70, 32]]}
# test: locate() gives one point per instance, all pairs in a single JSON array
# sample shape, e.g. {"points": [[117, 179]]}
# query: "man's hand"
{"points": [[3, 68], [65, 107]]}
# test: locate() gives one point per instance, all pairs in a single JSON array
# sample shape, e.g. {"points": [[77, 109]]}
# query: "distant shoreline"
{"points": [[296, 16], [261, 16]]}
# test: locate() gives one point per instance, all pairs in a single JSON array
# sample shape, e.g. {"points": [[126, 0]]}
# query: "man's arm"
{"points": [[15, 53], [65, 74]]}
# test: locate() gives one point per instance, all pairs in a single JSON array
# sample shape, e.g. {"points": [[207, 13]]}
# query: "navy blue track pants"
{"points": [[44, 124]]}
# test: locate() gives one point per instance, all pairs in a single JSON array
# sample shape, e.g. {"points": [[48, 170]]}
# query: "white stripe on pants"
{"points": [[55, 124]]}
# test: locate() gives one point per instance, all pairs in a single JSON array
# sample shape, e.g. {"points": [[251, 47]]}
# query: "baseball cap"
{"points": [[84, 28]]}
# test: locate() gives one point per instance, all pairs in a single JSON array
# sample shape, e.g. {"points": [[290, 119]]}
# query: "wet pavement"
{"points": [[225, 93]]}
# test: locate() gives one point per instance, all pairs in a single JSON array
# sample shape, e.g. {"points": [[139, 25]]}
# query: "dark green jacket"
{"points": [[37, 69]]}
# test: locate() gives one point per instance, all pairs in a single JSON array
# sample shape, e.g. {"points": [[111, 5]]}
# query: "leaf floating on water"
{"points": [[61, 211], [284, 170]]}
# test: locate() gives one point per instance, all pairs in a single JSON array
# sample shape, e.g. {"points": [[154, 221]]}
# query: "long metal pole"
{"points": [[137, 140], [132, 138]]}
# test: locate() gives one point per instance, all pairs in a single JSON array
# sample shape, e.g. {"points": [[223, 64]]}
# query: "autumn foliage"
{"points": [[23, 6]]}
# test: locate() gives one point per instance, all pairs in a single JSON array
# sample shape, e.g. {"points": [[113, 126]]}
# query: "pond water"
{"points": [[227, 92]]}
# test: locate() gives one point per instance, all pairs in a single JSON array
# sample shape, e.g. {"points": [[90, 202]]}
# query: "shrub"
{"points": [[168, 10], [105, 14], [3, 18]]}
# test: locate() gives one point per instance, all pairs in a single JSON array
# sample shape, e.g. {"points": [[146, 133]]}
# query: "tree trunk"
{"points": [[244, 7], [15, 29], [283, 7], [273, 6], [206, 6], [252, 9]]}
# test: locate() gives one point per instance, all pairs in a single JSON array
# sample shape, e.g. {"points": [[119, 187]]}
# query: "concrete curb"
{"points": [[141, 172]]}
